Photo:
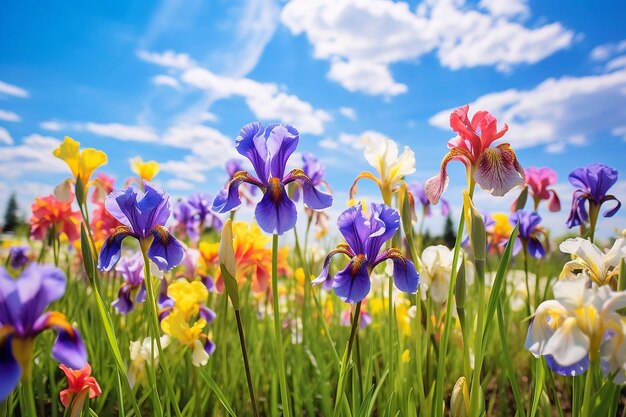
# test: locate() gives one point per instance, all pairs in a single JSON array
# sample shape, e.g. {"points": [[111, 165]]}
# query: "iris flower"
{"points": [[436, 269], [143, 215], [417, 190], [80, 385], [269, 150], [576, 326], [602, 268], [382, 153], [131, 269], [538, 180], [140, 354], [145, 170], [188, 306], [529, 231], [592, 184], [18, 256], [315, 170], [496, 170], [82, 164], [201, 203], [365, 237], [22, 319]]}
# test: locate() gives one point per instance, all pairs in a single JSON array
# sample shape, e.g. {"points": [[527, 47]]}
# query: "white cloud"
{"points": [[9, 116], [207, 116], [461, 35], [52, 125], [616, 63], [178, 184], [507, 8], [12, 90], [169, 59], [365, 76], [5, 137], [565, 109], [265, 100], [348, 112], [119, 131], [166, 80], [607, 50], [328, 143], [34, 154]]}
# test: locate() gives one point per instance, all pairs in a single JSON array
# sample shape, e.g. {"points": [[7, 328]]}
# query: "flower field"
{"points": [[121, 301]]}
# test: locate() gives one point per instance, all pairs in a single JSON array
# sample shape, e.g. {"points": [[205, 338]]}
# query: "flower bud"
{"points": [[475, 227], [459, 402], [226, 255]]}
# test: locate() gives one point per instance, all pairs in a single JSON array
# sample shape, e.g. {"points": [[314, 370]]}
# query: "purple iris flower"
{"points": [[592, 182], [201, 203], [418, 193], [365, 238], [22, 318], [143, 215], [528, 232], [18, 256], [269, 150], [185, 217], [131, 269]]}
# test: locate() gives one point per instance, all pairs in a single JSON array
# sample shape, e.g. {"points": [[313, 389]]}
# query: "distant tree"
{"points": [[11, 215], [449, 236]]}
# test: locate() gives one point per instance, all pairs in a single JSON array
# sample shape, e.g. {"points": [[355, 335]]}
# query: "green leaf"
{"points": [[217, 391]]}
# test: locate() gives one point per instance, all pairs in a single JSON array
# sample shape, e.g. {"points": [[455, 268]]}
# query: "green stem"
{"points": [[594, 211], [438, 404], [282, 377], [478, 347], [244, 352], [154, 327], [346, 356], [588, 393], [27, 399]]}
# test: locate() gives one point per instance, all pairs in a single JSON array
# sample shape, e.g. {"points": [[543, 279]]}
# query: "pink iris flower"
{"points": [[495, 169], [538, 180]]}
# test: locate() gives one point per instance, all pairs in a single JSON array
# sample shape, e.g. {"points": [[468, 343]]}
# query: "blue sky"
{"points": [[174, 81]]}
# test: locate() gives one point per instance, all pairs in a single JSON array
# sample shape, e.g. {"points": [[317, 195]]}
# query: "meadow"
{"points": [[119, 301]]}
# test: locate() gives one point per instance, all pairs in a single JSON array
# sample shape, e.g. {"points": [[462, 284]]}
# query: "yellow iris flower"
{"points": [[146, 170], [81, 163]]}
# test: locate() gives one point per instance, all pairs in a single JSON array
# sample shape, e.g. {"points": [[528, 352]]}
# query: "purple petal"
{"points": [[383, 224], [233, 165], [209, 346], [312, 167], [37, 287], [353, 226], [131, 269], [165, 251], [276, 213], [120, 204], [207, 314], [112, 248], [445, 208], [578, 368], [405, 276], [228, 198], [9, 369], [252, 144], [352, 284], [578, 213], [10, 305], [141, 294], [610, 212], [498, 171], [535, 248], [164, 300], [123, 304], [594, 179], [323, 277], [528, 222], [282, 141], [69, 350], [313, 198]]}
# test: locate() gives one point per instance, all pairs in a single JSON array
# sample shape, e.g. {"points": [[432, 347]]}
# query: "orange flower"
{"points": [[50, 213], [103, 224], [81, 383], [253, 257]]}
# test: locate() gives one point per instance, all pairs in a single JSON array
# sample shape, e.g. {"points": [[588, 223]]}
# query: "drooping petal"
{"points": [[165, 251], [535, 248], [405, 276], [207, 314], [112, 248], [9, 369], [569, 344], [352, 284], [323, 277], [578, 213], [436, 185], [383, 224], [199, 355], [251, 143], [282, 141], [554, 204], [313, 198], [610, 212], [69, 349], [123, 304], [276, 213], [228, 198], [498, 171], [575, 369]]}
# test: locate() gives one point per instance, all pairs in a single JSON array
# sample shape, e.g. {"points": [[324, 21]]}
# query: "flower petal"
{"points": [[323, 277], [352, 284], [569, 344], [38, 286], [69, 349], [313, 198], [282, 141], [276, 213], [112, 248], [251, 143], [575, 369], [353, 226], [383, 224], [436, 185], [228, 198], [9, 369], [498, 171], [405, 276], [610, 212], [165, 251]]}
